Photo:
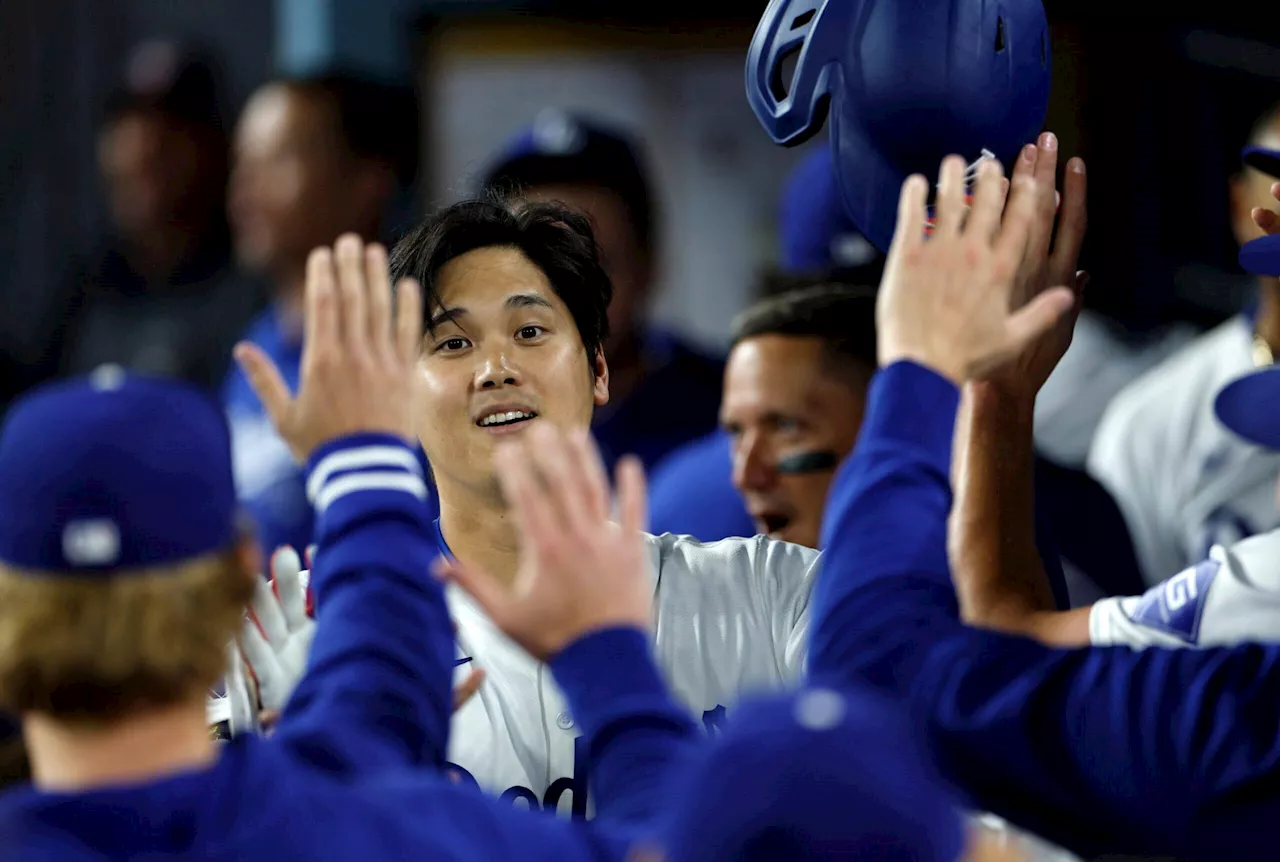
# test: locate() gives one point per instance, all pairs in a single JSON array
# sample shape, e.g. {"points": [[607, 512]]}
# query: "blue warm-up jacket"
{"points": [[1153, 753], [354, 769]]}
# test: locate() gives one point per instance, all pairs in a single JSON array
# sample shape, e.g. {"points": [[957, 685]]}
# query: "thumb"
{"points": [[490, 595], [265, 380], [1038, 316]]}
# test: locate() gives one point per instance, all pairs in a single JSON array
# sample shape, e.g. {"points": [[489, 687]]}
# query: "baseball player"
{"points": [[1183, 481], [515, 316], [118, 596], [1231, 596], [1151, 752]]}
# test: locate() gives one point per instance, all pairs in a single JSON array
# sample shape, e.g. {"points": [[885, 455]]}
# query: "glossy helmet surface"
{"points": [[906, 82]]}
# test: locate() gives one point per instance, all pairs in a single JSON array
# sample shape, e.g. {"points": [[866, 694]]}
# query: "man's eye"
{"points": [[530, 331], [452, 344]]}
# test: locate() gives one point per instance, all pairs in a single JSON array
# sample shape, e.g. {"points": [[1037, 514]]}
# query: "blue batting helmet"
{"points": [[909, 82]]}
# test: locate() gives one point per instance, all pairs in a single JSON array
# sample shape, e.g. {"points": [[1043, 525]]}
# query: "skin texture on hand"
{"points": [[945, 302], [579, 571]]}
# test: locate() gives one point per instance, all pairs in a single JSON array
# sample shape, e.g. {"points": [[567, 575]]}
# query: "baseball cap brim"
{"points": [[1261, 256], [1263, 159], [1250, 407]]}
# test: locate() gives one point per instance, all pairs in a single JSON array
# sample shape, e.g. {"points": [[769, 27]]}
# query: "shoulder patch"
{"points": [[1176, 606]]}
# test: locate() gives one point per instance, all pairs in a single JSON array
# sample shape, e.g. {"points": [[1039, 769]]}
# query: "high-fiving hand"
{"points": [[949, 302], [357, 366], [579, 571], [1050, 259]]}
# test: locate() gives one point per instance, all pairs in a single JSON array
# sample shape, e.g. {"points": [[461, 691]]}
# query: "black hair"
{"points": [[607, 161], [376, 121], [556, 239], [842, 315]]}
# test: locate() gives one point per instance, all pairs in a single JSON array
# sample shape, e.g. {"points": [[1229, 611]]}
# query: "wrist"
{"points": [[891, 354], [1001, 400]]}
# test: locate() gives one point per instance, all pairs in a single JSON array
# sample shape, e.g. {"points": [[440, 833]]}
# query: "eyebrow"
{"points": [[516, 300]]}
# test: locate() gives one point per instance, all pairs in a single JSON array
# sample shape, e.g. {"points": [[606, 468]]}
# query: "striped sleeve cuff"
{"points": [[362, 462]]}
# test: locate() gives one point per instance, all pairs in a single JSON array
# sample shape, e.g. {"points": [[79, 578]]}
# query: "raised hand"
{"points": [[1050, 259], [357, 368], [277, 639], [265, 666], [579, 571], [945, 302]]}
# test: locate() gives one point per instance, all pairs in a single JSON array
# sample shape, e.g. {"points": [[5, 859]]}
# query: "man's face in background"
{"points": [[624, 259], [294, 185], [783, 396]]}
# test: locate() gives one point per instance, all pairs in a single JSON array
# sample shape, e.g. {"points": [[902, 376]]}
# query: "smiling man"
{"points": [[515, 303], [795, 388]]}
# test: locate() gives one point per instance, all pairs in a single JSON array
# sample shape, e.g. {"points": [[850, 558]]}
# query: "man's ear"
{"points": [[600, 374]]}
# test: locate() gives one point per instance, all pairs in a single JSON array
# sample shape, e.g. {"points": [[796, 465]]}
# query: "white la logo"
{"points": [[91, 542]]}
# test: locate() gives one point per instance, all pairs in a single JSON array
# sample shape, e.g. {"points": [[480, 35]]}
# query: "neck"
{"points": [[141, 747], [1268, 324], [479, 530]]}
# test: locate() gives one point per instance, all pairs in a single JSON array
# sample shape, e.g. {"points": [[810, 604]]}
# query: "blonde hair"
{"points": [[92, 649]]}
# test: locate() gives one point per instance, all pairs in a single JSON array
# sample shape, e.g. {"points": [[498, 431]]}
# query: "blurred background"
{"points": [[119, 125]]}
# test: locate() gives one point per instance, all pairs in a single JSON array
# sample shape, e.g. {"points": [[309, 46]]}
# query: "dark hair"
{"points": [[607, 159], [556, 239], [842, 315], [377, 121]]}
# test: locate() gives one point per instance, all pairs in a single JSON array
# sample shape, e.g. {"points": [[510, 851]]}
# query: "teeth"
{"points": [[509, 416]]}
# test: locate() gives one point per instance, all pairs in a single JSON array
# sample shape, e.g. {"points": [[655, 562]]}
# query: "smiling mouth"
{"points": [[502, 420]]}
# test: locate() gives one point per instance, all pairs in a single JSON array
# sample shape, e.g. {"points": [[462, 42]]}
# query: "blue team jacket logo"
{"points": [[712, 719], [1177, 606]]}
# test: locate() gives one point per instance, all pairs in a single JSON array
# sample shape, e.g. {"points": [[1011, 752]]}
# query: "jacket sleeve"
{"points": [[377, 690], [635, 732], [1155, 752]]}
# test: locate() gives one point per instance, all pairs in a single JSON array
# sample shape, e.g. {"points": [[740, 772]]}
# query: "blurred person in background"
{"points": [[313, 158], [664, 391], [1184, 481], [795, 387], [160, 294], [691, 491]]}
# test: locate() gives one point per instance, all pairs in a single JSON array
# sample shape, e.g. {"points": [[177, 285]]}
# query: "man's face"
{"points": [[293, 186], [1252, 188], [512, 351], [782, 397], [624, 260], [149, 166]]}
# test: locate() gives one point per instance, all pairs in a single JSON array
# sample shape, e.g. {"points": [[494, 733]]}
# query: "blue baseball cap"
{"points": [[908, 82], [816, 775], [817, 234], [566, 148], [1262, 159], [114, 471]]}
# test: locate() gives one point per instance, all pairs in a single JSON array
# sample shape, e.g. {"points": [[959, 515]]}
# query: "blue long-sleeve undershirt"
{"points": [[1155, 752]]}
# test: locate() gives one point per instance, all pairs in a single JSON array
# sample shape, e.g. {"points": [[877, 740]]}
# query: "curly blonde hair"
{"points": [[92, 649]]}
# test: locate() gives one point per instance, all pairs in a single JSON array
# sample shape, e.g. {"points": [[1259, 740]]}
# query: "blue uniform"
{"points": [[354, 769], [690, 492], [1156, 752]]}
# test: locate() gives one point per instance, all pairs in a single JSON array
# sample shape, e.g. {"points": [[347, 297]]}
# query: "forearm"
{"points": [[377, 692], [634, 730], [999, 575], [1094, 749]]}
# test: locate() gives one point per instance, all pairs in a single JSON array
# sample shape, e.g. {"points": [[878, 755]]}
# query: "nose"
{"points": [[752, 466], [495, 371]]}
